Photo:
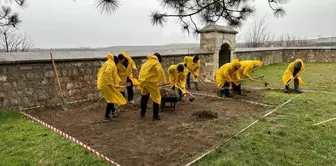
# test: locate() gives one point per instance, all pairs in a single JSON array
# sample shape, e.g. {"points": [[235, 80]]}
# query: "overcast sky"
{"points": [[65, 23]]}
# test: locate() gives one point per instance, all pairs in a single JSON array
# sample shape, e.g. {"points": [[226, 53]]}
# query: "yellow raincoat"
{"points": [[288, 74], [226, 73], [150, 76], [124, 72], [106, 79], [180, 78], [192, 67], [247, 67]]}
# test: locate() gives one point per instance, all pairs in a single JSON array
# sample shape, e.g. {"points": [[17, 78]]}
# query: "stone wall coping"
{"points": [[76, 58], [241, 50]]}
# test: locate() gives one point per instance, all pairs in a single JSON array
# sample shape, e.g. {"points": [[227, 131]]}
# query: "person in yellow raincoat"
{"points": [[193, 65], [177, 78], [150, 76], [293, 71], [227, 76], [108, 83], [126, 67], [247, 67]]}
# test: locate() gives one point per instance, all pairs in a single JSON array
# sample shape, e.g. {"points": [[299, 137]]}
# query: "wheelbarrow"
{"points": [[167, 99]]}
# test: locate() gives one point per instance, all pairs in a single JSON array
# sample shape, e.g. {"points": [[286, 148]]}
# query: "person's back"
{"points": [[247, 67], [150, 75], [149, 71], [105, 74], [222, 74]]}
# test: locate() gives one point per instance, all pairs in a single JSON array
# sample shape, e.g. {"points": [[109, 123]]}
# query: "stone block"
{"points": [[25, 67], [30, 76], [93, 77], [44, 81], [69, 86], [88, 71], [78, 64], [3, 78], [43, 96], [14, 84], [7, 85], [11, 93], [14, 102], [86, 78], [26, 101], [96, 64], [38, 75], [49, 74], [3, 70], [13, 69], [64, 72], [75, 71], [81, 71], [48, 67], [5, 102]]}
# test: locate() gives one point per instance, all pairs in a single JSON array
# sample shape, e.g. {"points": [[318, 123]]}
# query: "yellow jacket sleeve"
{"points": [[248, 69], [197, 69], [227, 75], [185, 60], [160, 72], [108, 75]]}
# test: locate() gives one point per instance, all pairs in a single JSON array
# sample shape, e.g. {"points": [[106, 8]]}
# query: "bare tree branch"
{"points": [[258, 35], [11, 41]]}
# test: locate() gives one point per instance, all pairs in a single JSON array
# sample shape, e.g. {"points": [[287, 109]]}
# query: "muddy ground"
{"points": [[178, 138]]}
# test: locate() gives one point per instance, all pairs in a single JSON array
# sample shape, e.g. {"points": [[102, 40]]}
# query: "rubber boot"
{"points": [[188, 81], [226, 92], [156, 111], [296, 86], [144, 101], [196, 86], [238, 90], [286, 89]]}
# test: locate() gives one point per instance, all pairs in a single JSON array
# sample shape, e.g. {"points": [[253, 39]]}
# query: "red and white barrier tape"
{"points": [[70, 138]]}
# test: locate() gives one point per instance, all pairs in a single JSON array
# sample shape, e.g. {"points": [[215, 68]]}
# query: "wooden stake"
{"points": [[64, 105]]}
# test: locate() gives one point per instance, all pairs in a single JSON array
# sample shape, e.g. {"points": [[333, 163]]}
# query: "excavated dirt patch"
{"points": [[175, 140]]}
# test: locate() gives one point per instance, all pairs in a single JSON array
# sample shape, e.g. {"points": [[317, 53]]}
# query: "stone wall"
{"points": [[310, 55], [267, 56], [29, 84], [276, 55]]}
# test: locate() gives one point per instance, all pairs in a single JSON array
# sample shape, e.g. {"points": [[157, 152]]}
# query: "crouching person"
{"points": [[177, 78], [108, 83], [150, 76], [227, 76], [293, 73]]}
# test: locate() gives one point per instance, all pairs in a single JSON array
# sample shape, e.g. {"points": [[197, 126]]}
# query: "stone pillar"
{"points": [[213, 36]]}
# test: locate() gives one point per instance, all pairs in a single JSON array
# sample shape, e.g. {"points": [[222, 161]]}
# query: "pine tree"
{"points": [[7, 16]]}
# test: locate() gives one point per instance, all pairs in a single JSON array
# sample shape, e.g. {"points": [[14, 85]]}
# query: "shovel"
{"points": [[65, 106], [198, 79], [117, 86], [192, 97]]}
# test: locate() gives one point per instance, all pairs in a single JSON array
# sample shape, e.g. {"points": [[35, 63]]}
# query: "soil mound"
{"points": [[205, 114]]}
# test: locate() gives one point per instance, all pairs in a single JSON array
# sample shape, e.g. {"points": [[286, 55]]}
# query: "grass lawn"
{"points": [[288, 137], [23, 142]]}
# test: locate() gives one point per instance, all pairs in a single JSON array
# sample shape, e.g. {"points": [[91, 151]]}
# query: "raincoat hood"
{"points": [[152, 57], [258, 63], [236, 63], [110, 57]]}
